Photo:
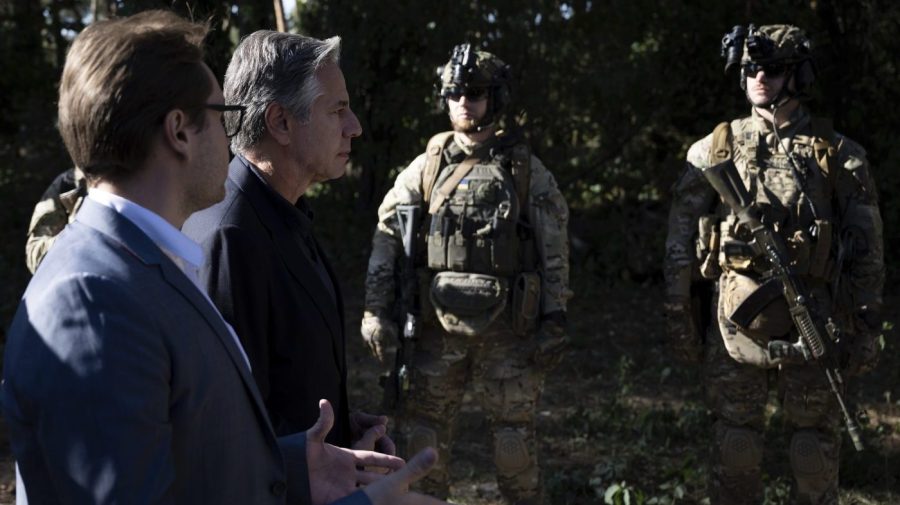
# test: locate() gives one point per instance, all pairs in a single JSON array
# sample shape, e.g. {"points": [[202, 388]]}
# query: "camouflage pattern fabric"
{"points": [[511, 385], [444, 363], [790, 43], [737, 392], [57, 208], [548, 214]]}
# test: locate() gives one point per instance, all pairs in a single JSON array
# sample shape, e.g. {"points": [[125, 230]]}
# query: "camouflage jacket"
{"points": [[547, 213], [847, 198], [57, 208]]}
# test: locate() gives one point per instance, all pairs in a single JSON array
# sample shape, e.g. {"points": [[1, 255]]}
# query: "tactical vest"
{"points": [[475, 225], [475, 241], [751, 308], [801, 210]]}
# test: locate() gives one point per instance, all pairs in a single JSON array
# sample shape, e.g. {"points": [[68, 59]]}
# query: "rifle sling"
{"points": [[765, 294]]}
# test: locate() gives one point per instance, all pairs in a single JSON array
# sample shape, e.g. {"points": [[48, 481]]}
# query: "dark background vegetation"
{"points": [[610, 94]]}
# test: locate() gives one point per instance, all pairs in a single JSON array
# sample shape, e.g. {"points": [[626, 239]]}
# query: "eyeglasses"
{"points": [[770, 69], [232, 117], [471, 94]]}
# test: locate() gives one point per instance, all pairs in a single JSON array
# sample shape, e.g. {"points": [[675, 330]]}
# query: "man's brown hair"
{"points": [[121, 78]]}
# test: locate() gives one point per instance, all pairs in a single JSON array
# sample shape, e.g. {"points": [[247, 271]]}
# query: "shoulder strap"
{"points": [[433, 154], [460, 172], [824, 145], [721, 148], [521, 172]]}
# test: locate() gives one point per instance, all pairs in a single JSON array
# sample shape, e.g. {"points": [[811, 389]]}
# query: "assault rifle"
{"points": [[408, 221], [811, 345]]}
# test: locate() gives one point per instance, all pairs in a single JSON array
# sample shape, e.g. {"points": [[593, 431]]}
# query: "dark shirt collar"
{"points": [[299, 211]]}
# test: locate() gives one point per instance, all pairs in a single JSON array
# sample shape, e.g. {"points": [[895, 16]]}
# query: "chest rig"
{"points": [[795, 198], [478, 242], [793, 185], [477, 207]]}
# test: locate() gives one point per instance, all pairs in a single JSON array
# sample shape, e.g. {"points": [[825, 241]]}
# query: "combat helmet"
{"points": [[470, 71], [771, 45]]}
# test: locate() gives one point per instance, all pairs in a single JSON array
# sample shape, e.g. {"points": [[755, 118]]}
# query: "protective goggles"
{"points": [[471, 94], [774, 69]]}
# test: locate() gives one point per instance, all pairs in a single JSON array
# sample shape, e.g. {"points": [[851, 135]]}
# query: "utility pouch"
{"points": [[738, 255], [526, 302], [708, 247], [466, 303], [439, 234], [798, 246], [821, 253], [457, 249]]}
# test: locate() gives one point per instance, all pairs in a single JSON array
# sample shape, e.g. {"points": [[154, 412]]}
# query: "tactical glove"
{"points": [[378, 331], [684, 337], [552, 341]]}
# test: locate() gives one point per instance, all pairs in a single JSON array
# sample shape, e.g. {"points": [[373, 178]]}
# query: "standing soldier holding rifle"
{"points": [[492, 275], [788, 228]]}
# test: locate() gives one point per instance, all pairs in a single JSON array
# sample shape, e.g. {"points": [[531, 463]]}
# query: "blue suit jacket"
{"points": [[122, 384]]}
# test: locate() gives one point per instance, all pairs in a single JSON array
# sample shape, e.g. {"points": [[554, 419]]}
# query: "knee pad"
{"points": [[806, 454], [421, 437], [741, 450], [510, 452], [815, 472]]}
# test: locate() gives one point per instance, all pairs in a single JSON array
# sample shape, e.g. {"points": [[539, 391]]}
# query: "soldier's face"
{"points": [[763, 86], [466, 112]]}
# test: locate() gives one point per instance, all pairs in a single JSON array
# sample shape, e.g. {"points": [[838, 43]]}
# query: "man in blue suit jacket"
{"points": [[122, 382]]}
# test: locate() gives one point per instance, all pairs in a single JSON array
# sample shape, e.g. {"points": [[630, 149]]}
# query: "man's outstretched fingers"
{"points": [[368, 458], [393, 489], [323, 425], [418, 466], [370, 437]]}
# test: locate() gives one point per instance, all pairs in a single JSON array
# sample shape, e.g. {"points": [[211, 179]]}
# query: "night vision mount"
{"points": [[759, 47]]}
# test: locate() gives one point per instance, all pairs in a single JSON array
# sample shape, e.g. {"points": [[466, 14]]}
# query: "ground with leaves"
{"points": [[620, 422]]}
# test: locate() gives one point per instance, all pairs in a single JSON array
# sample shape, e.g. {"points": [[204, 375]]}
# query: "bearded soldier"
{"points": [[814, 189], [492, 272]]}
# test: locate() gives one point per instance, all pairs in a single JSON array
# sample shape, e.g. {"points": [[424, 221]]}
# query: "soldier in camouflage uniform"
{"points": [[494, 278], [57, 208], [814, 187]]}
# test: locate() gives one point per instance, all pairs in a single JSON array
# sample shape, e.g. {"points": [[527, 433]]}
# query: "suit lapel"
{"points": [[138, 244], [294, 258]]}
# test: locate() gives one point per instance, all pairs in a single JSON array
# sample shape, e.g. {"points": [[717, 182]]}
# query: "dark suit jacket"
{"points": [[261, 278], [122, 384]]}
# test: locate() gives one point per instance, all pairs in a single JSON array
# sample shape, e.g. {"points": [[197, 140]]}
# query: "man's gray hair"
{"points": [[278, 67]]}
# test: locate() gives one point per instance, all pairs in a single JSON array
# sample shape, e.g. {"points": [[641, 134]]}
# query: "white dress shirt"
{"points": [[184, 252]]}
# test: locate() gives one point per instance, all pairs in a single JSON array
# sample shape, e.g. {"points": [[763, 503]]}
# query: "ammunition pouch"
{"points": [[811, 257], [467, 303], [526, 302]]}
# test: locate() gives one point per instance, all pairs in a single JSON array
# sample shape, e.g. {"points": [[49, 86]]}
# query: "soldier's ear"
{"points": [[277, 120]]}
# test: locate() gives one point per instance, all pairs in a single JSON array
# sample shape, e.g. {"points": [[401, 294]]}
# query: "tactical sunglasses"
{"points": [[770, 69], [471, 94]]}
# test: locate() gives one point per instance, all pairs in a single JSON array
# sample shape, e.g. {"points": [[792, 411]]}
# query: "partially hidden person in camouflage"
{"points": [[57, 208], [814, 187], [493, 273]]}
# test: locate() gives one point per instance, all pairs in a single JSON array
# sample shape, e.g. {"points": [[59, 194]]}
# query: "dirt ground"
{"points": [[618, 417]]}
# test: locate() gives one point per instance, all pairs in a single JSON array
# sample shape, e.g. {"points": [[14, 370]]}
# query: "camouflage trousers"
{"points": [[443, 366], [737, 395]]}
